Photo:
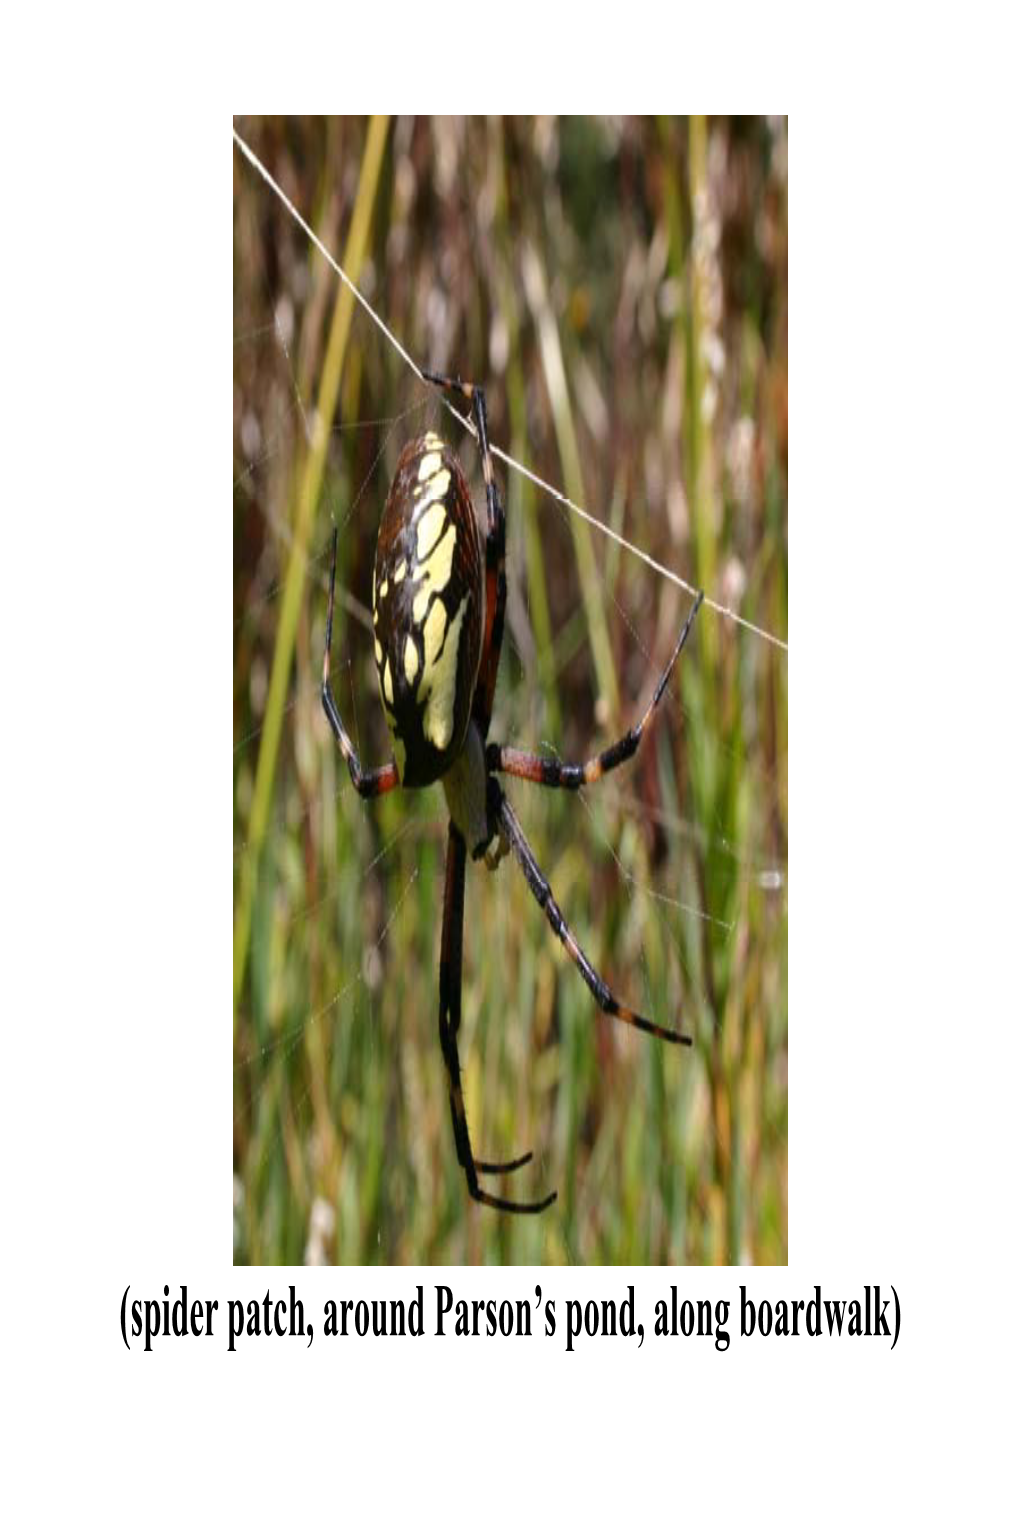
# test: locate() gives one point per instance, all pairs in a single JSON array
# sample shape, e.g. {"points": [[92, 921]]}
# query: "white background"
{"points": [[903, 782]]}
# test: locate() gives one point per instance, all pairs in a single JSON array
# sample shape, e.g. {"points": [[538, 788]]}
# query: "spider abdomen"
{"points": [[428, 597]]}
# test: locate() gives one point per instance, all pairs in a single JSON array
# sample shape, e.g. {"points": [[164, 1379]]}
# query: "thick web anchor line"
{"points": [[510, 462]]}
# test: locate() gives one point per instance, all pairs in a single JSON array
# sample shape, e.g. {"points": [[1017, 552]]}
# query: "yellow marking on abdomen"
{"points": [[429, 528], [432, 489], [437, 723], [434, 573], [378, 651], [434, 632]]}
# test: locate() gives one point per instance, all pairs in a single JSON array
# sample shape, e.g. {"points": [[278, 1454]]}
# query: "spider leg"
{"points": [[546, 771], [495, 554], [450, 972], [369, 783], [604, 996]]}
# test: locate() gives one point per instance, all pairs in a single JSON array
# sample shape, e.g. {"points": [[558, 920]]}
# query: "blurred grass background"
{"points": [[620, 288]]}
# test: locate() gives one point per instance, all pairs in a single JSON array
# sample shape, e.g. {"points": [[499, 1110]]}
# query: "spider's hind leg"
{"points": [[542, 892], [450, 971]]}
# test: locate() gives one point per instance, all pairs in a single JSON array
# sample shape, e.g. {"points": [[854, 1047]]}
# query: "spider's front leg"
{"points": [[369, 783], [450, 974]]}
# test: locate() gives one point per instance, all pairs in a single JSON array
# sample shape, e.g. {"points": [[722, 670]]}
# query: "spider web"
{"points": [[309, 1020]]}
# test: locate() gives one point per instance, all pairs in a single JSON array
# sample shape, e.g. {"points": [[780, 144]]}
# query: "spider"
{"points": [[437, 613]]}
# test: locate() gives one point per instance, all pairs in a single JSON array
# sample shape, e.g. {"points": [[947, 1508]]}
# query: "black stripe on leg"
{"points": [[618, 752], [569, 776]]}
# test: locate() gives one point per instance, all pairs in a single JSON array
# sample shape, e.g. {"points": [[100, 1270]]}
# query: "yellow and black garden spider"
{"points": [[438, 625]]}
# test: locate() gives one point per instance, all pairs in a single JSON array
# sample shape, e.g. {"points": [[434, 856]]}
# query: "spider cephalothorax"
{"points": [[438, 623]]}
